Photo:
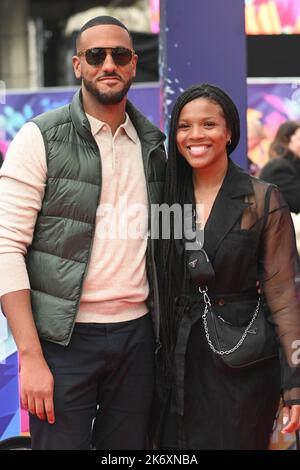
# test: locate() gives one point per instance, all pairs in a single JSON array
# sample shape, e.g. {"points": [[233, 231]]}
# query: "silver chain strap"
{"points": [[204, 317]]}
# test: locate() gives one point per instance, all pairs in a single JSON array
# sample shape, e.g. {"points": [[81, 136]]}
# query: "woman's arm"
{"points": [[279, 259]]}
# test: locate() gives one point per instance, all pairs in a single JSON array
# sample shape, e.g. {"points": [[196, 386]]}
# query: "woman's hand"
{"points": [[291, 417]]}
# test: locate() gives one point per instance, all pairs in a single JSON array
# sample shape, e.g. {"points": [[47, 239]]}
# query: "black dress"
{"points": [[214, 407]]}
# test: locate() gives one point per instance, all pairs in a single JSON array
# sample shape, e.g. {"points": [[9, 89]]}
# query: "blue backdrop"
{"points": [[204, 41]]}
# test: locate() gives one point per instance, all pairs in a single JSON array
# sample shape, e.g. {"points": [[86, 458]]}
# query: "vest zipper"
{"points": [[151, 261], [90, 248]]}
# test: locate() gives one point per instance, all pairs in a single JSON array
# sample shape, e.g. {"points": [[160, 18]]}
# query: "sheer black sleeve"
{"points": [[279, 259]]}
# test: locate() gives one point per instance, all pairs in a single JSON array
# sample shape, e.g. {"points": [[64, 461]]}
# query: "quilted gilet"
{"points": [[58, 257]]}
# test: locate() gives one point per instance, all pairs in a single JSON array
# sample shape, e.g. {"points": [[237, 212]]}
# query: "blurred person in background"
{"points": [[283, 169], [257, 152]]}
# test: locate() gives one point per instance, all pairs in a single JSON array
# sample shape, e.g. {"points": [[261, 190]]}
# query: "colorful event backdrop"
{"points": [[261, 16], [20, 107], [272, 103], [272, 16]]}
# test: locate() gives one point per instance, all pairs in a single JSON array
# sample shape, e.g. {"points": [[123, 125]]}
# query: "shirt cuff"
{"points": [[13, 273]]}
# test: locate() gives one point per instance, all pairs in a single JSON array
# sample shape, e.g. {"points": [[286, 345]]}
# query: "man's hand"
{"points": [[37, 386], [37, 382]]}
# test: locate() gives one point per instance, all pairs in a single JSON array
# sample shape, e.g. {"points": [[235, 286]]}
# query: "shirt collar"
{"points": [[97, 125], [130, 129]]}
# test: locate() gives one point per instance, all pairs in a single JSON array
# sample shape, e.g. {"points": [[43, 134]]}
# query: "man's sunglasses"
{"points": [[97, 55]]}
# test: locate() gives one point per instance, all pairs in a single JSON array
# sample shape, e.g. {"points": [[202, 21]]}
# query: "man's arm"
{"points": [[36, 379], [22, 184]]}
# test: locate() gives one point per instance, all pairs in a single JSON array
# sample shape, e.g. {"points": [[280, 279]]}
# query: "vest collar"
{"points": [[146, 130], [79, 118]]}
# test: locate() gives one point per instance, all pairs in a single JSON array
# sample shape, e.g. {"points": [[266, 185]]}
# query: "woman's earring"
{"points": [[229, 142]]}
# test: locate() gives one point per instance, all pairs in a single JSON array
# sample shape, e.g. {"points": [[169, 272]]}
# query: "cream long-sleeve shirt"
{"points": [[115, 287]]}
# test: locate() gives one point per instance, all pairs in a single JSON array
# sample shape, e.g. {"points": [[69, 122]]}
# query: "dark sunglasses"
{"points": [[97, 55]]}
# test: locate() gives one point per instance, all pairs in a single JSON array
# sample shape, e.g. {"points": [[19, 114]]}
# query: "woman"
{"points": [[284, 167], [246, 238]]}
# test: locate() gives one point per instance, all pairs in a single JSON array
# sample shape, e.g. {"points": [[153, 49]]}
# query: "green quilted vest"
{"points": [[58, 257]]}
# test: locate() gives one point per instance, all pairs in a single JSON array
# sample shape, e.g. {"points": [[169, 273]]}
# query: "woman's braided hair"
{"points": [[178, 179]]}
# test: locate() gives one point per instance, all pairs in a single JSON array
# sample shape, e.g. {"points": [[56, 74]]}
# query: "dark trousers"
{"points": [[103, 388]]}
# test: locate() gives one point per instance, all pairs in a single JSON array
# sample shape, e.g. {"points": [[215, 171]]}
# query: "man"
{"points": [[79, 305]]}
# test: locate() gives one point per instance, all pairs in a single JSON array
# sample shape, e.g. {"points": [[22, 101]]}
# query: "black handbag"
{"points": [[237, 346]]}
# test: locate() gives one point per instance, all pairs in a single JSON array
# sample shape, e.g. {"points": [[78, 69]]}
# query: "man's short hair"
{"points": [[102, 20]]}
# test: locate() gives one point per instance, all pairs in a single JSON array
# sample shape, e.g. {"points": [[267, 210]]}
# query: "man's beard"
{"points": [[110, 97]]}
